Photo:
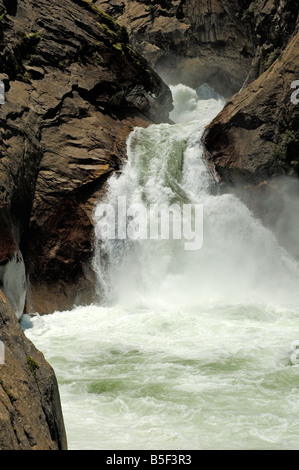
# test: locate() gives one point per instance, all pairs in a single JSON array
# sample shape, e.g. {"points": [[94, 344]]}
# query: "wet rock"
{"points": [[189, 42], [30, 409]]}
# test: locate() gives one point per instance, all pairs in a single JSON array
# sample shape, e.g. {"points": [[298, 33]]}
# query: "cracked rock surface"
{"points": [[74, 90]]}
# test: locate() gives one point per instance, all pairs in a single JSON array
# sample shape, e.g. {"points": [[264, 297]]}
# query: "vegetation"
{"points": [[113, 35], [285, 150], [247, 15], [106, 22], [24, 48], [33, 365], [268, 58], [2, 18]]}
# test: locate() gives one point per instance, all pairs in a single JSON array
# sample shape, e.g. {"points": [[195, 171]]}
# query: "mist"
{"points": [[276, 204]]}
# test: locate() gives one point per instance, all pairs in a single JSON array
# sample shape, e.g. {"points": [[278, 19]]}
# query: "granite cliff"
{"points": [[224, 43], [75, 87], [248, 51], [256, 136], [189, 42], [74, 90]]}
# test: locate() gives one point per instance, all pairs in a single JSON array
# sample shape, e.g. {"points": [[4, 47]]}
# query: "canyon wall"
{"points": [[75, 87], [256, 136], [74, 90], [224, 43]]}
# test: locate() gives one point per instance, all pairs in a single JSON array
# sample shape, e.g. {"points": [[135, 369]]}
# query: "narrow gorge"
{"points": [[170, 102]]}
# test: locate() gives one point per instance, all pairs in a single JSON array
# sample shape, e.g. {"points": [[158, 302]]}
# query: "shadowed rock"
{"points": [[256, 136], [221, 42], [74, 91]]}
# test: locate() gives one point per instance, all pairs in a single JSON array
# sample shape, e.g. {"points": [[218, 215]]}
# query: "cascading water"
{"points": [[188, 349]]}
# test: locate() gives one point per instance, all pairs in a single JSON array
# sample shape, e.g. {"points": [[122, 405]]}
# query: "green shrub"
{"points": [[33, 365]]}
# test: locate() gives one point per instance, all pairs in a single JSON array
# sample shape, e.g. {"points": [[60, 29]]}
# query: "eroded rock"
{"points": [[189, 42]]}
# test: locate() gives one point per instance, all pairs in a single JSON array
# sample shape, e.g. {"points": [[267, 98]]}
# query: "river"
{"points": [[186, 348]]}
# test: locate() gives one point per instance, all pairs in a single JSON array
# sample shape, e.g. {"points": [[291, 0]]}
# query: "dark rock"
{"points": [[256, 136], [189, 42], [74, 91], [30, 409], [222, 42]]}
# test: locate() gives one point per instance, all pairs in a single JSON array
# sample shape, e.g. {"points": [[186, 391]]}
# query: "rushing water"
{"points": [[187, 349]]}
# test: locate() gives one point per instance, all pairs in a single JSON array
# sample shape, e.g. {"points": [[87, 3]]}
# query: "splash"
{"points": [[239, 259], [185, 350]]}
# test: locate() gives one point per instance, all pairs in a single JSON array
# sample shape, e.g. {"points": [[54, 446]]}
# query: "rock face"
{"points": [[232, 45], [30, 410], [190, 42], [222, 42], [256, 136], [74, 91]]}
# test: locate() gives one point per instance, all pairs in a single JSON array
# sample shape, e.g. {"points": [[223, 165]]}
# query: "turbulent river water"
{"points": [[187, 349]]}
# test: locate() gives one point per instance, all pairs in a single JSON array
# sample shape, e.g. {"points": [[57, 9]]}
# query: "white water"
{"points": [[190, 350]]}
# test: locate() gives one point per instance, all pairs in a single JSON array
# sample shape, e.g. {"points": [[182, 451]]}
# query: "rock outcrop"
{"points": [[232, 45], [30, 409], [256, 136], [221, 42], [74, 90], [189, 42]]}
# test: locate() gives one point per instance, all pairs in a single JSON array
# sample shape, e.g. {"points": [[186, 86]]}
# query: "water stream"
{"points": [[186, 349]]}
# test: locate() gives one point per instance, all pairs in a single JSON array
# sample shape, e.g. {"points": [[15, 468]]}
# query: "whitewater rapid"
{"points": [[185, 349]]}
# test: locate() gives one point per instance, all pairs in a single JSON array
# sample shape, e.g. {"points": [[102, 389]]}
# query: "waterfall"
{"points": [[240, 259], [186, 348]]}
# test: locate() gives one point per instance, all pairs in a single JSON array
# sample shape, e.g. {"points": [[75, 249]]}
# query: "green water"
{"points": [[185, 349]]}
